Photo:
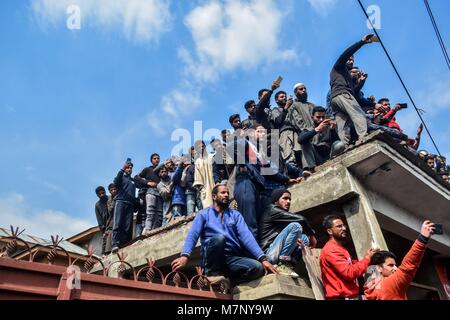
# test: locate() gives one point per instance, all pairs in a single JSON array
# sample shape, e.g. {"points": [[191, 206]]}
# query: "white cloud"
{"points": [[175, 106], [323, 7], [232, 35], [139, 20], [15, 211], [227, 36]]}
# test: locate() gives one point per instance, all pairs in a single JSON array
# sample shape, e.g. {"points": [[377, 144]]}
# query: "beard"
{"points": [[282, 103], [303, 97], [223, 203], [343, 238]]}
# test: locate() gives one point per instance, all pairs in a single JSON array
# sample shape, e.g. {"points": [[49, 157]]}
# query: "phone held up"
{"points": [[279, 79], [438, 228]]}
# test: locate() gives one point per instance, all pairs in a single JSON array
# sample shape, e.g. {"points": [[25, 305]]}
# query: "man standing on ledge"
{"points": [[343, 101], [224, 239], [125, 207], [339, 273]]}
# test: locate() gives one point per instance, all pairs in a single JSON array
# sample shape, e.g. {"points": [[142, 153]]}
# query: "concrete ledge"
{"points": [[314, 192], [160, 246], [274, 287]]}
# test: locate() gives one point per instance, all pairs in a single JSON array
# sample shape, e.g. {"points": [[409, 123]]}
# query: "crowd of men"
{"points": [[240, 190]]}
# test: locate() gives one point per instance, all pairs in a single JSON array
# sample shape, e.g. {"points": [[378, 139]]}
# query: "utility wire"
{"points": [[400, 78], [438, 34]]}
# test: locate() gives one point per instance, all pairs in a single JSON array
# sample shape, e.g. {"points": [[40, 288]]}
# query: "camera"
{"points": [[403, 106], [438, 228]]}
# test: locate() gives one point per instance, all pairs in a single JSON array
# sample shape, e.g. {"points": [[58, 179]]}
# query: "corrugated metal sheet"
{"points": [[70, 247]]}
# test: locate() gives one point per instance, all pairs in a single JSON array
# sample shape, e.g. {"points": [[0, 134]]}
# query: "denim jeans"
{"points": [[138, 229], [392, 132], [193, 202], [239, 269], [166, 207], [285, 243]]}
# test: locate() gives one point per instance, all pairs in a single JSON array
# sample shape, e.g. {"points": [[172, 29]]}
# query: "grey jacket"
{"points": [[300, 116]]}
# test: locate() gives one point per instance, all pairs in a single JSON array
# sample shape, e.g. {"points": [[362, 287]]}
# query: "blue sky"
{"points": [[75, 103]]}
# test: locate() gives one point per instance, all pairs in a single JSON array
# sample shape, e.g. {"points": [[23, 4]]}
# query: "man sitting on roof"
{"points": [[282, 231]]}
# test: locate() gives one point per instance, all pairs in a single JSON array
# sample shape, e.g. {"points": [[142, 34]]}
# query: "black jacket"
{"points": [[340, 79], [147, 175], [102, 214], [275, 219], [263, 111]]}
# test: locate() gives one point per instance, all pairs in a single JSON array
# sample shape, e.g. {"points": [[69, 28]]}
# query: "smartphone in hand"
{"points": [[279, 79], [375, 39], [438, 228]]}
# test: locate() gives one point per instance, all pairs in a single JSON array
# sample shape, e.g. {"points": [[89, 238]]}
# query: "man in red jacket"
{"points": [[339, 272], [391, 283], [385, 116]]}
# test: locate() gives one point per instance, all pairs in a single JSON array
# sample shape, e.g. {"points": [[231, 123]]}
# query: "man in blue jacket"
{"points": [[224, 238], [125, 207]]}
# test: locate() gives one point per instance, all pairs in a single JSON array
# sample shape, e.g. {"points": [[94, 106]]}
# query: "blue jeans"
{"points": [[285, 243], [217, 262], [193, 202], [138, 229], [166, 207], [392, 132]]}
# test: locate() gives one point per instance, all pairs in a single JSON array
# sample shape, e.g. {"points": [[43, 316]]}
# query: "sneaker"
{"points": [[287, 270], [224, 283], [146, 232], [306, 174], [216, 279], [169, 218], [114, 250]]}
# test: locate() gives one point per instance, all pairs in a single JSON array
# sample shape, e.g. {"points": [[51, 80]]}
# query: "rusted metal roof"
{"points": [[31, 280]]}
